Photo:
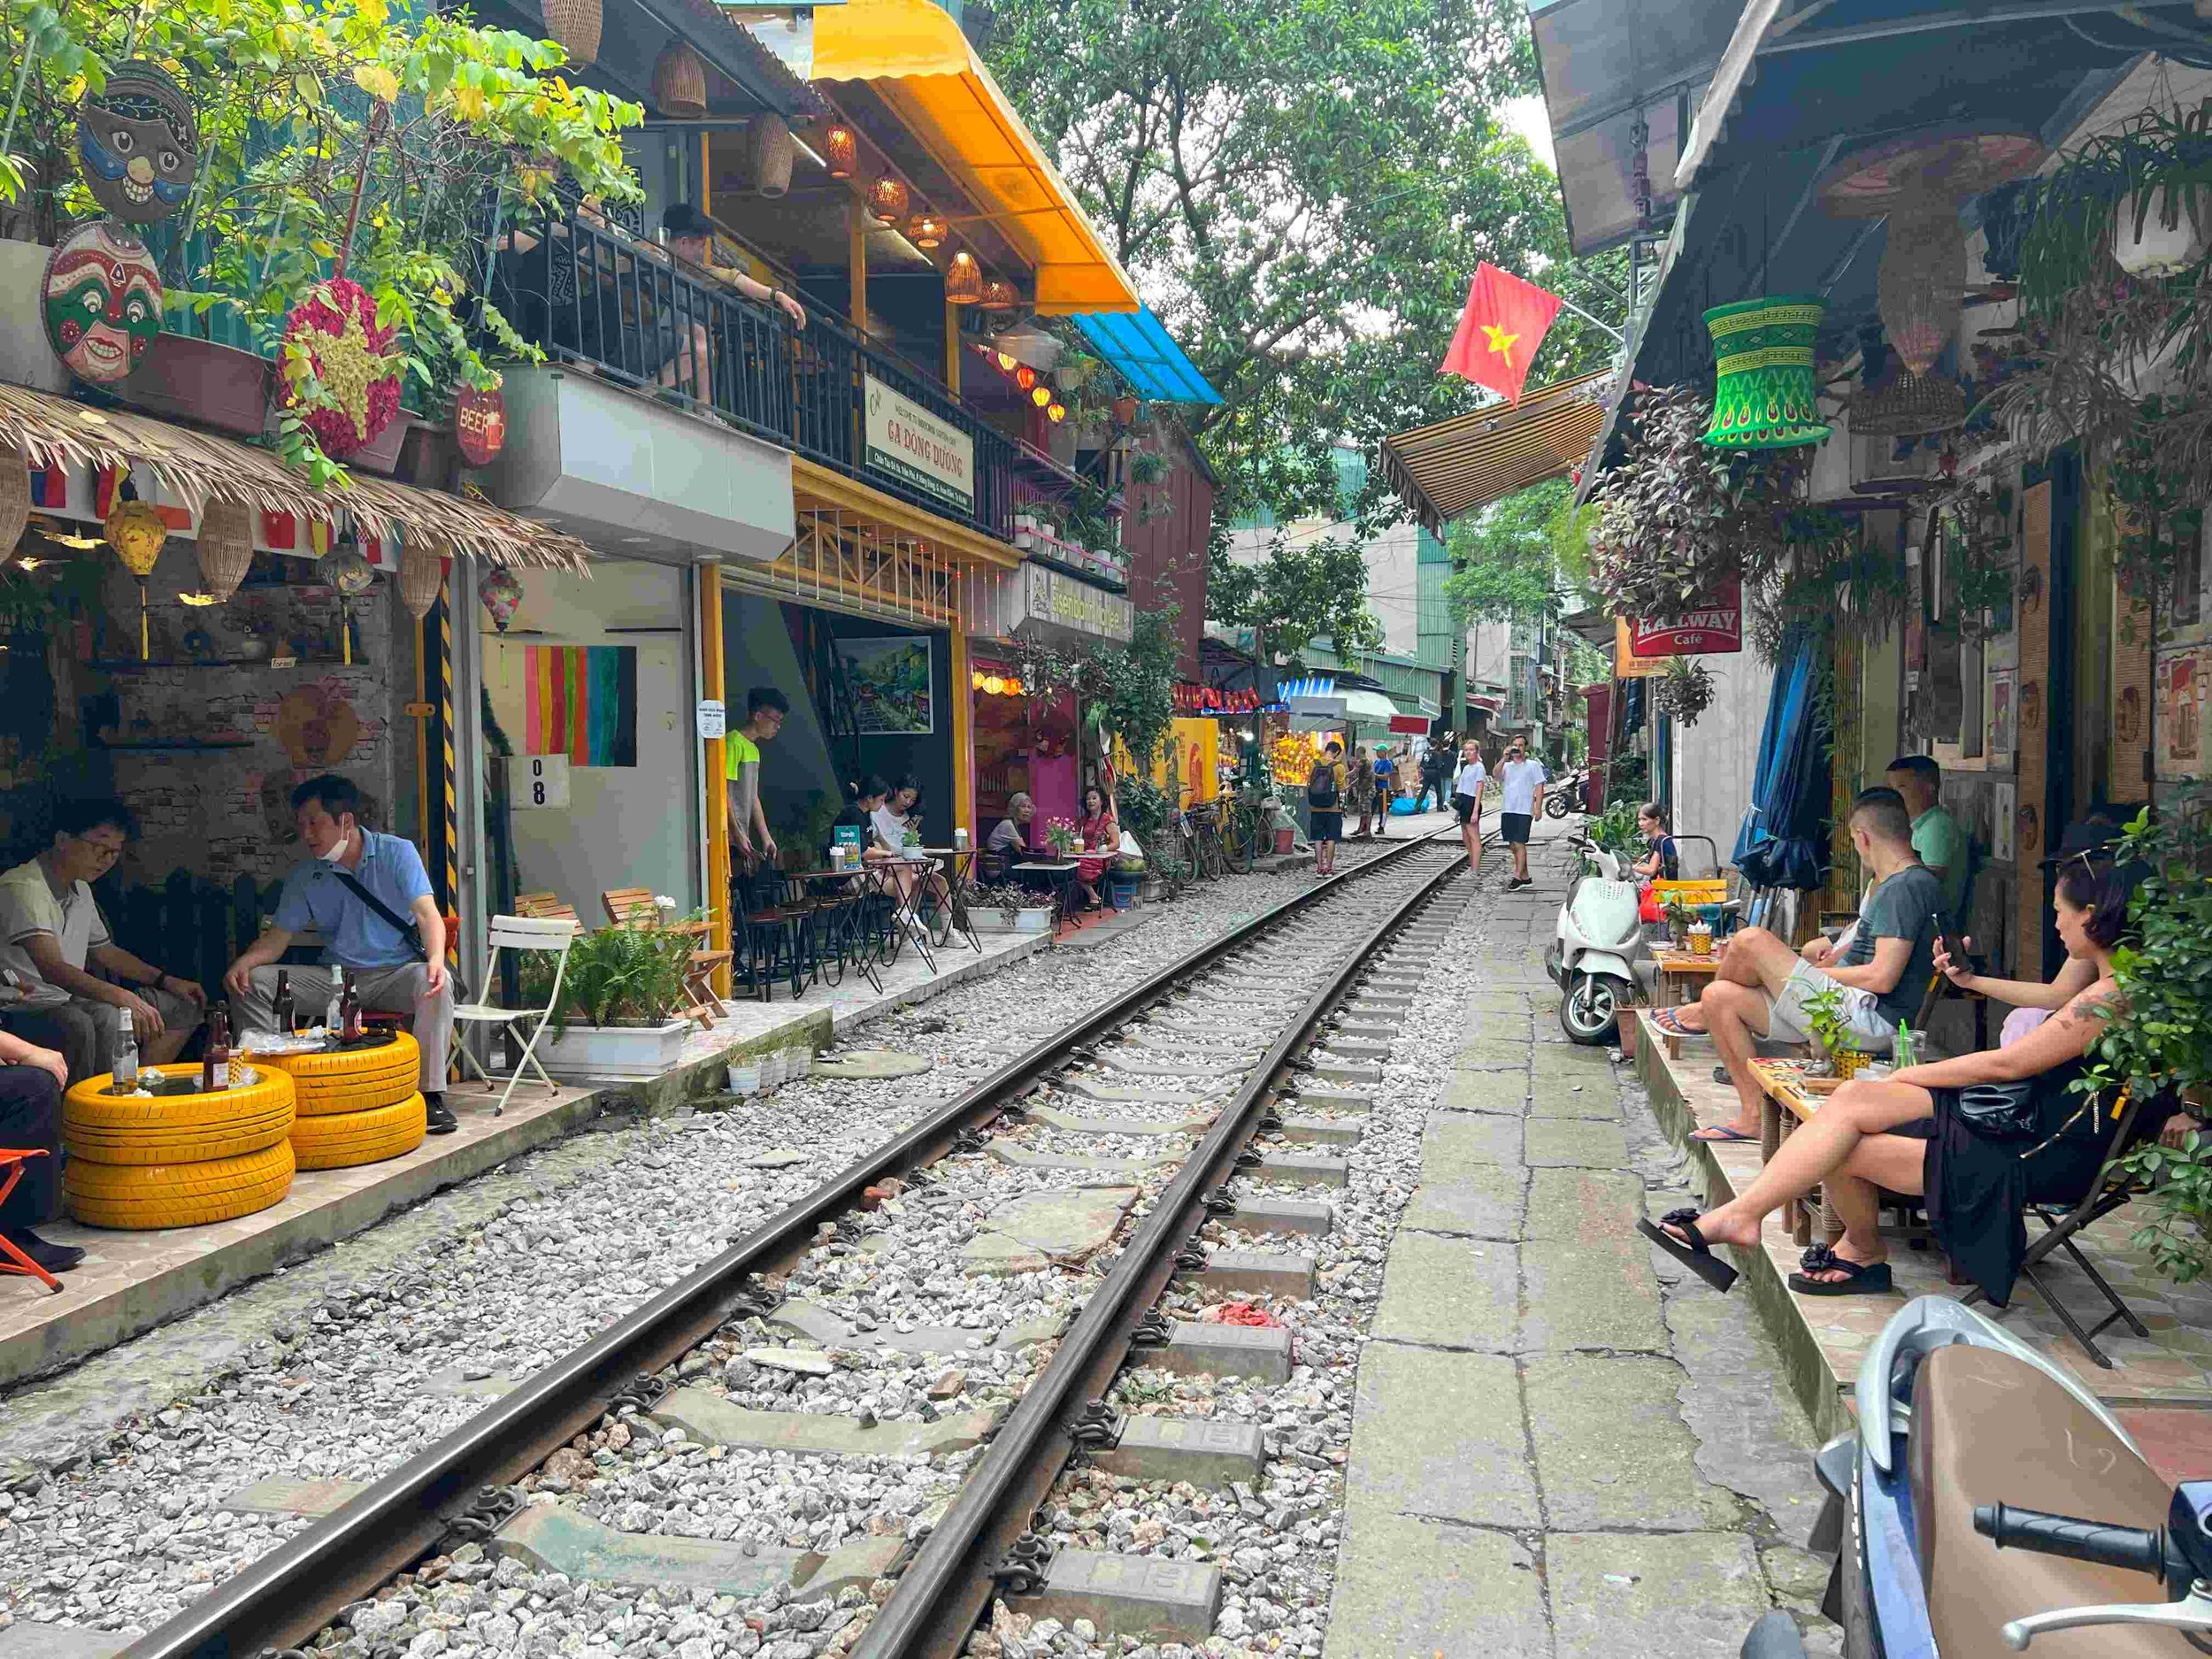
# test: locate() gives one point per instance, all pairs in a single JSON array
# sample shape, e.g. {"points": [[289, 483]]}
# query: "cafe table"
{"points": [[1057, 873], [959, 864]]}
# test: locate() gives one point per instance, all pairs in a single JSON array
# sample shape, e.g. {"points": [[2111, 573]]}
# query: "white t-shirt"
{"points": [[890, 828], [1520, 779], [28, 906], [1468, 779]]}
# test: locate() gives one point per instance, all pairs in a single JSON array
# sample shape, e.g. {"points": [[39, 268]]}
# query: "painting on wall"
{"points": [[2180, 739], [890, 684], [2003, 716], [577, 701]]}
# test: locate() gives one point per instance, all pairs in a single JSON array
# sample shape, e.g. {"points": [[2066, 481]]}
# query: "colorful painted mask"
{"points": [[102, 303], [138, 144]]}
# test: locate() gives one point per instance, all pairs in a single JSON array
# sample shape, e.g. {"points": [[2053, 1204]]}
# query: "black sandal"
{"points": [[1860, 1279], [1693, 1253]]}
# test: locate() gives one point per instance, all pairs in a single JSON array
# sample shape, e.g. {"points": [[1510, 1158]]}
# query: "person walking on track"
{"points": [[1325, 806], [1519, 780], [1467, 786], [1385, 789]]}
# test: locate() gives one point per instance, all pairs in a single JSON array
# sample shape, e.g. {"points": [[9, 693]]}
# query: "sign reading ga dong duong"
{"points": [[921, 450]]}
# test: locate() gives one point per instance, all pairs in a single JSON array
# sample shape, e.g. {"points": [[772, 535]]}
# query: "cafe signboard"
{"points": [[1643, 645], [1053, 603], [920, 450]]}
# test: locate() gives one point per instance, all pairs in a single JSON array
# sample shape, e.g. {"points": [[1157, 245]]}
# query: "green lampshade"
{"points": [[1765, 398]]}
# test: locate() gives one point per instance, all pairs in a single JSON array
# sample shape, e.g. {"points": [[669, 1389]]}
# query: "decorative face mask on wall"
{"points": [[102, 303], [138, 144]]}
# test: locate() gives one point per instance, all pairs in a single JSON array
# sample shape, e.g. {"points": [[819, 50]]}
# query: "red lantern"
{"points": [[479, 425]]}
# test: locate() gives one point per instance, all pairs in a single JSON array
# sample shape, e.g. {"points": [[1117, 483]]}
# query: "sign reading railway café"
{"points": [[918, 449], [1642, 646]]}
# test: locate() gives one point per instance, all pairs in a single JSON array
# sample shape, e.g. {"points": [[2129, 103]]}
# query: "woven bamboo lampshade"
{"points": [[888, 200], [841, 150], [680, 83], [575, 26], [769, 152], [1763, 396], [421, 573], [963, 280], [926, 231], [15, 499], [135, 531], [1894, 404], [225, 547], [999, 295], [1920, 289]]}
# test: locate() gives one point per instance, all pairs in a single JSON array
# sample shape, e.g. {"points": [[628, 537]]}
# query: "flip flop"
{"points": [[1713, 1134], [1669, 1020], [1862, 1278], [1694, 1254]]}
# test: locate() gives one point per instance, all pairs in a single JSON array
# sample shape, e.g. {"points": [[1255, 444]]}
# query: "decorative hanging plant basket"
{"points": [[2159, 233], [679, 83], [225, 547], [352, 356]]}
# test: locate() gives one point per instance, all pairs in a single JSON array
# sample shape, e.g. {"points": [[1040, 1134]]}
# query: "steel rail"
{"points": [[294, 1591], [945, 1588]]}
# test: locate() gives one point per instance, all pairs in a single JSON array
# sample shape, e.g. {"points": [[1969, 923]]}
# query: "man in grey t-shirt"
{"points": [[1882, 966]]}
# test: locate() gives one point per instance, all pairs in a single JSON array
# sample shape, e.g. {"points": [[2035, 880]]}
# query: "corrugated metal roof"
{"points": [[1139, 345]]}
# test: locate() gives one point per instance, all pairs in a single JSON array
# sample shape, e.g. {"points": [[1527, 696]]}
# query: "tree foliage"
{"points": [[1304, 191], [1125, 691], [1299, 593], [1507, 559]]}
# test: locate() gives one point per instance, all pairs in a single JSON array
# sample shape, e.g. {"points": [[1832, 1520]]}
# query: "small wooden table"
{"points": [[1788, 1100]]}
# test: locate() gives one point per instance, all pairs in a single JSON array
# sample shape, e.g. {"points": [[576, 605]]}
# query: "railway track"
{"points": [[1085, 1169]]}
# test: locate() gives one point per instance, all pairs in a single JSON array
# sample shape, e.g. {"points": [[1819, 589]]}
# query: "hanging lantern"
{"points": [[1041, 395], [963, 280], [224, 549], [1764, 396], [1025, 377], [999, 295], [1920, 289], [1893, 404], [888, 200], [15, 499], [1006, 360], [840, 151], [926, 231], [994, 684], [574, 26], [1056, 412], [499, 592], [769, 152], [135, 531], [421, 573], [352, 576], [679, 83]]}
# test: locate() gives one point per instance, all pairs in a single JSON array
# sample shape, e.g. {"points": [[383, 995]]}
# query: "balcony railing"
{"points": [[590, 293]]}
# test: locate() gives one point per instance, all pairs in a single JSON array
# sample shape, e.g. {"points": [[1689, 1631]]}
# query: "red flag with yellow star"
{"points": [[1505, 320]]}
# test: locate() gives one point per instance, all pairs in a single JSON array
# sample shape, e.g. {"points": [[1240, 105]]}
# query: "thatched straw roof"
{"points": [[200, 467]]}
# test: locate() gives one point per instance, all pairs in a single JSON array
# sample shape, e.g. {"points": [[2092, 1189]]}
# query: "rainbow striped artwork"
{"points": [[581, 701]]}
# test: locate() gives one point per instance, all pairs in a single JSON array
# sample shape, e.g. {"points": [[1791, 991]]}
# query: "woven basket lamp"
{"points": [[15, 499], [999, 295], [841, 150], [1891, 403], [1765, 397], [679, 83], [1919, 183], [769, 152], [135, 531], [888, 200], [574, 26], [421, 573], [963, 280], [225, 547]]}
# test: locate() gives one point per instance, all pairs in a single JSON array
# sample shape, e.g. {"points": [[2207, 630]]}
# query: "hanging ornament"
{"points": [[963, 280], [926, 231], [135, 531], [138, 144], [225, 546], [353, 358], [479, 425], [15, 499], [679, 83], [888, 200], [841, 150], [576, 26], [499, 592], [421, 573], [1764, 398], [999, 295], [102, 303], [352, 576]]}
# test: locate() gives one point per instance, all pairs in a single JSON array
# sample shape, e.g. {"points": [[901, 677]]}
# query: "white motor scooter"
{"points": [[1601, 929]]}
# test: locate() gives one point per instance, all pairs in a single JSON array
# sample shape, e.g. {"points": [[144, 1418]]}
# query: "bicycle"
{"points": [[1241, 828]]}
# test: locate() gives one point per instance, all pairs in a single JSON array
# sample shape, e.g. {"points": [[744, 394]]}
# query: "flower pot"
{"points": [[1284, 838], [614, 1051], [25, 356], [429, 454], [380, 454], [1035, 919], [203, 383], [744, 1078], [2158, 249]]}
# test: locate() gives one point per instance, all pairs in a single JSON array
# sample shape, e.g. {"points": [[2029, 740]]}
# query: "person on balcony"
{"points": [[55, 938], [690, 234]]}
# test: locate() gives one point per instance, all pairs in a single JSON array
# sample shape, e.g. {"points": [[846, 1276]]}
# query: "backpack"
{"points": [[1321, 789]]}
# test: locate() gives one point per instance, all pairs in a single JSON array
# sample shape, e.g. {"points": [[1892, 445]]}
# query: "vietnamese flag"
{"points": [[1505, 320]]}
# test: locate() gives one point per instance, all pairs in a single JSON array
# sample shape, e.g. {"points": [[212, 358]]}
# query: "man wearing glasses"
{"points": [[55, 937]]}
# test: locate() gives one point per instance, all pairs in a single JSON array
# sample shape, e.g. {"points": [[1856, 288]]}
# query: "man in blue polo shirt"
{"points": [[389, 973]]}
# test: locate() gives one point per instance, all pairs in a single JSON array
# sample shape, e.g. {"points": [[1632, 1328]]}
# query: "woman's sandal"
{"points": [[1691, 1250], [1862, 1278], [1716, 1135]]}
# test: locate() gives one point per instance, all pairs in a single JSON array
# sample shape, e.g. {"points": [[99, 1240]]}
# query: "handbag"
{"points": [[2000, 1112]]}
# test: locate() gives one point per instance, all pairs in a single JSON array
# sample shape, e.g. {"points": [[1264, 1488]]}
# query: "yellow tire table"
{"points": [[355, 1105], [143, 1161]]}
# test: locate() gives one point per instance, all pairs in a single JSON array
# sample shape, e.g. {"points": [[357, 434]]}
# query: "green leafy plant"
{"points": [[1007, 899], [1685, 690], [1141, 806], [616, 976], [1614, 830], [1824, 1018], [1125, 692]]}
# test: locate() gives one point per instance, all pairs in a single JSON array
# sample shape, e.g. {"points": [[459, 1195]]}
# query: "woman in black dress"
{"points": [[1906, 1133]]}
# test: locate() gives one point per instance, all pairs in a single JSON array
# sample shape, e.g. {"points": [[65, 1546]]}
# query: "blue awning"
{"points": [[1135, 344]]}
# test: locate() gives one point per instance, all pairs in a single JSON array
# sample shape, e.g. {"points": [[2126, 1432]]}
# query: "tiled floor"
{"points": [[2171, 1367]]}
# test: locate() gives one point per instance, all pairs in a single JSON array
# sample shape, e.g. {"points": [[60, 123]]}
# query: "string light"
{"points": [[963, 280], [1056, 412], [1025, 377], [926, 231], [1041, 395]]}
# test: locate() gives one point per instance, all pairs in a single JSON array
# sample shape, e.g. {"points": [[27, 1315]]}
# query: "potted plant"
{"points": [[1062, 834], [1679, 917], [618, 999], [1823, 1017], [1007, 908]]}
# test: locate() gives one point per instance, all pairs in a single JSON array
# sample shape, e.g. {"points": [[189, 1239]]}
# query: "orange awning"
{"points": [[916, 58]]}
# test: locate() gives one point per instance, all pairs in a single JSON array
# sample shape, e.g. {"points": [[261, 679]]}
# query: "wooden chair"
{"points": [[634, 907], [546, 907]]}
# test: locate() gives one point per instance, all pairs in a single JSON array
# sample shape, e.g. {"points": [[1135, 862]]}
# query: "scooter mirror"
{"points": [[2189, 1528]]}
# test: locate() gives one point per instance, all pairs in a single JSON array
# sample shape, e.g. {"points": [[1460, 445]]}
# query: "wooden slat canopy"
{"points": [[1449, 469]]}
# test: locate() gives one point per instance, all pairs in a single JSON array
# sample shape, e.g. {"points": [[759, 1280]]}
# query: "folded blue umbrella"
{"points": [[1784, 842]]}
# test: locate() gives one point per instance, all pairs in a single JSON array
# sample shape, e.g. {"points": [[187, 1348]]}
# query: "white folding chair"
{"points": [[553, 934]]}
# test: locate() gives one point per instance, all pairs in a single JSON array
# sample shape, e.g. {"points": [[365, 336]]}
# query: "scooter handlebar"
{"points": [[2132, 1549]]}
